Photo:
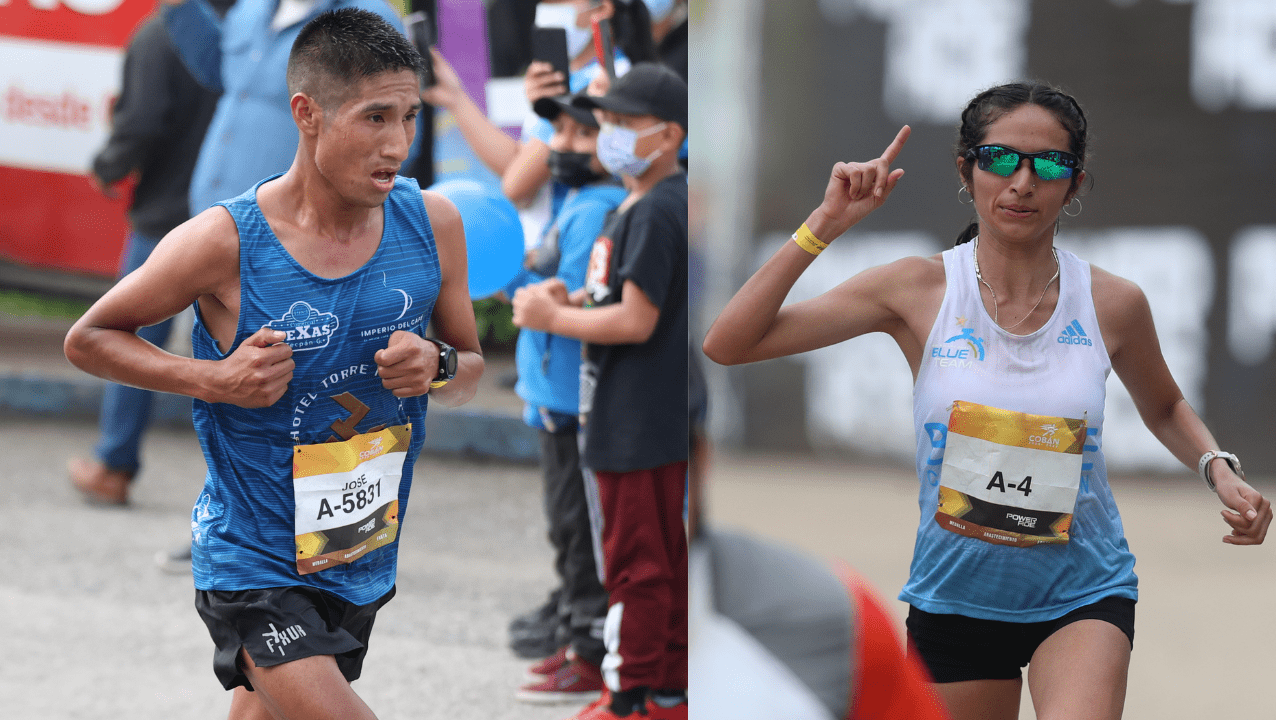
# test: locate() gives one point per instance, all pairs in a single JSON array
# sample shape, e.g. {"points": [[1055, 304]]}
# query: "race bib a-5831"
{"points": [[347, 496]]}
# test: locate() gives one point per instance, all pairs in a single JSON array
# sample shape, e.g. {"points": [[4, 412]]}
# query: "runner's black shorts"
{"points": [[276, 625], [957, 648]]}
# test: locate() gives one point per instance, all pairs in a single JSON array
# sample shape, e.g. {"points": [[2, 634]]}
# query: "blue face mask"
{"points": [[616, 149]]}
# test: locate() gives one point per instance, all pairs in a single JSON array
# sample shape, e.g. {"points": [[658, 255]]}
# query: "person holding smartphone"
{"points": [[522, 164], [1021, 558]]}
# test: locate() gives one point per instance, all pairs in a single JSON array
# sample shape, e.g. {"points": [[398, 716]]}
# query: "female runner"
{"points": [[1020, 557]]}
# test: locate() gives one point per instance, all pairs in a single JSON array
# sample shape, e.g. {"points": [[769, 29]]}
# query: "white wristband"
{"points": [[1203, 467]]}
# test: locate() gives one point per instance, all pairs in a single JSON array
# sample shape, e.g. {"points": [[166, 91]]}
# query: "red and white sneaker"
{"points": [[576, 681], [550, 665]]}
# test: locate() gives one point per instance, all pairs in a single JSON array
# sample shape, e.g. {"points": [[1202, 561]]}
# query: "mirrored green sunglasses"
{"points": [[1004, 161]]}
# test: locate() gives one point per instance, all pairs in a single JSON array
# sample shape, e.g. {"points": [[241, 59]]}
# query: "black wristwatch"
{"points": [[447, 363]]}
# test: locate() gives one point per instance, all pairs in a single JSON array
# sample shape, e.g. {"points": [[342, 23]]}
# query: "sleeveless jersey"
{"points": [[1060, 370], [243, 522]]}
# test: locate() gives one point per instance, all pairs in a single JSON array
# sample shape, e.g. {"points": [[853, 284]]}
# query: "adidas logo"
{"points": [[1074, 335]]}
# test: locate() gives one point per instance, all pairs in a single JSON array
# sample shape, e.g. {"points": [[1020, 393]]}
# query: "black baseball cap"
{"points": [[550, 107], [647, 89]]}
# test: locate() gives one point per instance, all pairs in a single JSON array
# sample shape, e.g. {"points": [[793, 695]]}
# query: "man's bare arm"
{"points": [[199, 260]]}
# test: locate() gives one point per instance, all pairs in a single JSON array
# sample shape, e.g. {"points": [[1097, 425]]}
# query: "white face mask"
{"points": [[563, 15], [616, 149]]}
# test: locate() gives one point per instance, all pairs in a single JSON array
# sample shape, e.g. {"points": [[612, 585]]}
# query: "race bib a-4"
{"points": [[347, 497], [1010, 478]]}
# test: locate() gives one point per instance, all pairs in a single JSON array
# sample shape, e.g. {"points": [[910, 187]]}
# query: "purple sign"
{"points": [[463, 41]]}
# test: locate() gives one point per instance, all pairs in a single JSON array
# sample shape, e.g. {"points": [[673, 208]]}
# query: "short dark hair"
{"points": [[340, 47], [986, 107]]}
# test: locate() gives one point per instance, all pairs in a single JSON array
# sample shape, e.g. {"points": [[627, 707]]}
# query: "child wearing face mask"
{"points": [[632, 315], [549, 384], [521, 164]]}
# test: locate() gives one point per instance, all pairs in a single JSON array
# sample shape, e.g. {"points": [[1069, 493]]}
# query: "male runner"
{"points": [[313, 291]]}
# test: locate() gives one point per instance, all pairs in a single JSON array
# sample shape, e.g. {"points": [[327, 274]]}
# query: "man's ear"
{"points": [[673, 134], [307, 113]]}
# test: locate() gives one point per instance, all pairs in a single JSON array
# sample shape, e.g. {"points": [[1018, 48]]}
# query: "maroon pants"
{"points": [[645, 563]]}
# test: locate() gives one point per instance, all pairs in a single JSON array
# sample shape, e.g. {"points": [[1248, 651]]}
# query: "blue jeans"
{"points": [[126, 411]]}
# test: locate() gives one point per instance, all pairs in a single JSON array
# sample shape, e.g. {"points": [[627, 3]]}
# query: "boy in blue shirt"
{"points": [[549, 382]]}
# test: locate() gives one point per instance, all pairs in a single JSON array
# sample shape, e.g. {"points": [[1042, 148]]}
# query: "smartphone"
{"points": [[424, 34], [550, 45], [603, 47]]}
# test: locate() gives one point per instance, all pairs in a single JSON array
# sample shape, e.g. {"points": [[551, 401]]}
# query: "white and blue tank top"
{"points": [[1059, 370], [243, 522]]}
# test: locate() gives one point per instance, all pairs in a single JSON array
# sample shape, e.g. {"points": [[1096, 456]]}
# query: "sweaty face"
{"points": [[1022, 207], [363, 141]]}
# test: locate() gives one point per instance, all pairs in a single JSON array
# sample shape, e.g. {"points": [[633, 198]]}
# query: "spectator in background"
{"points": [[522, 165], [252, 135], [525, 171], [157, 124], [633, 398], [549, 382], [669, 29]]}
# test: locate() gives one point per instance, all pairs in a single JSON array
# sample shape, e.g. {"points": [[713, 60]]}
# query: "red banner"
{"points": [[62, 60]]}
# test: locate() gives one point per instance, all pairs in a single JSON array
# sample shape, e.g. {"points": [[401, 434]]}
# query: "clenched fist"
{"points": [[257, 373], [407, 364]]}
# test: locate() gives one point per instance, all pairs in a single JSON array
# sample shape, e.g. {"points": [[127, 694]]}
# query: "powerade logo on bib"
{"points": [[307, 328], [1074, 335]]}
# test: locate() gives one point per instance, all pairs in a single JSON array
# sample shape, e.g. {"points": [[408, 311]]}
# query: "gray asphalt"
{"points": [[92, 628]]}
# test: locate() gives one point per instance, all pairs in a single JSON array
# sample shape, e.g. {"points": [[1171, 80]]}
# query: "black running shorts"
{"points": [[276, 625], [957, 648]]}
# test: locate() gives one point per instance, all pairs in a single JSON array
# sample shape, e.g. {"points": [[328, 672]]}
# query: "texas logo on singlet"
{"points": [[1010, 478]]}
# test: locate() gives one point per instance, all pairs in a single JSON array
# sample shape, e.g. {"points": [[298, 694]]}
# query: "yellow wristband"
{"points": [[436, 384], [807, 240]]}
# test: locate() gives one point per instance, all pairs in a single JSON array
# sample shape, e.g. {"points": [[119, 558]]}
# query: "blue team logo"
{"points": [[961, 350], [1074, 335], [307, 328]]}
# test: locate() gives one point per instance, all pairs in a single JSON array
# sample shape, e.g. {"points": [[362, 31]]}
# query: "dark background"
{"points": [[1156, 159]]}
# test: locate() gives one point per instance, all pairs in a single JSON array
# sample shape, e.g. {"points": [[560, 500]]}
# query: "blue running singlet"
{"points": [[1060, 371], [242, 524]]}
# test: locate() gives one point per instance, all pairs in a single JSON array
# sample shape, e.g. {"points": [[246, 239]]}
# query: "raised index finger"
{"points": [[897, 144]]}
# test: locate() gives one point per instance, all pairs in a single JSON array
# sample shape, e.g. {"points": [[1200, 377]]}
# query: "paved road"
{"points": [[1205, 639], [93, 630]]}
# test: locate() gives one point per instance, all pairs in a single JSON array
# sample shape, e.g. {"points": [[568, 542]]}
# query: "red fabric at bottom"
{"points": [[891, 684], [645, 563]]}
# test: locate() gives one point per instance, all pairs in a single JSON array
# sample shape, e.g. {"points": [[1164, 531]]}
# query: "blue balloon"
{"points": [[493, 234]]}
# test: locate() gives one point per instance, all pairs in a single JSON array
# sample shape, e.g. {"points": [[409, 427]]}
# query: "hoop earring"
{"points": [[971, 201], [1076, 200]]}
